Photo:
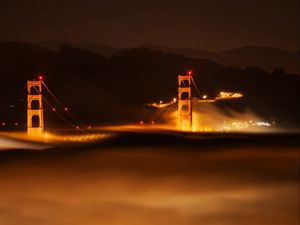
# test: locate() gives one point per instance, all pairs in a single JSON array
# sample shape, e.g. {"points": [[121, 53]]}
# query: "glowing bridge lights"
{"points": [[40, 77], [229, 95], [162, 104]]}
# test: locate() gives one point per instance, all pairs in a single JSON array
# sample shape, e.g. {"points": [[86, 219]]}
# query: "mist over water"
{"points": [[161, 184], [208, 117]]}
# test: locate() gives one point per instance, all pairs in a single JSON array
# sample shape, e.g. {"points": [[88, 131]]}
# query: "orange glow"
{"points": [[39, 141], [161, 104], [228, 95], [223, 95]]}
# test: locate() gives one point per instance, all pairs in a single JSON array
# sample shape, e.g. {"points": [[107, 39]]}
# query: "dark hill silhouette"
{"points": [[101, 49], [264, 57], [100, 89]]}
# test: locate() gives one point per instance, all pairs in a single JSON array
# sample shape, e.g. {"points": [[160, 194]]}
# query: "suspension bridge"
{"points": [[35, 109], [36, 101], [40, 98]]}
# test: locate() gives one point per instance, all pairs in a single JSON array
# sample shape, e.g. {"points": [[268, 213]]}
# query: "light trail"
{"points": [[162, 104], [21, 140], [204, 99], [9, 140], [228, 95]]}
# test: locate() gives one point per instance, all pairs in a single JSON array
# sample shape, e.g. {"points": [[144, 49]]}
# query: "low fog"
{"points": [[151, 185]]}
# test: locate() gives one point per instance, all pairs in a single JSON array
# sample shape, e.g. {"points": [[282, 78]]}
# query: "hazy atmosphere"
{"points": [[199, 24]]}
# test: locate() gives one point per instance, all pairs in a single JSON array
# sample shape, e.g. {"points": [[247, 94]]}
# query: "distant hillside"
{"points": [[101, 89], [262, 57], [101, 49]]}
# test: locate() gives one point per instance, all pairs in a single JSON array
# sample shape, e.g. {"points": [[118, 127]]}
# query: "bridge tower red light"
{"points": [[40, 77]]}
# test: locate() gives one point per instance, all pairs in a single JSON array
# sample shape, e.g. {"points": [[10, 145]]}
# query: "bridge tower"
{"points": [[185, 101], [35, 112]]}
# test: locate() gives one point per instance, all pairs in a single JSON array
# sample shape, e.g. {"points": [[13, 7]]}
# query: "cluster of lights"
{"points": [[85, 138], [231, 126], [162, 104], [205, 129], [262, 123], [228, 95], [221, 96], [244, 125]]}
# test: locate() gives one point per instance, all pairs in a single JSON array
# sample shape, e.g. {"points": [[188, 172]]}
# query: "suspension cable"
{"points": [[163, 112], [61, 116], [62, 106], [193, 81]]}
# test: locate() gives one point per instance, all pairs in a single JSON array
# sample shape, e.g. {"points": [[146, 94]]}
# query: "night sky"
{"points": [[199, 24]]}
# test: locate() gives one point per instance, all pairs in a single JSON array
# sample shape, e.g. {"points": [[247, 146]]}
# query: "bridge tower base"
{"points": [[185, 116], [35, 112]]}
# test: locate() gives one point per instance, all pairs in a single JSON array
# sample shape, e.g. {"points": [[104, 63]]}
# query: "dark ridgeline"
{"points": [[107, 89], [266, 58]]}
